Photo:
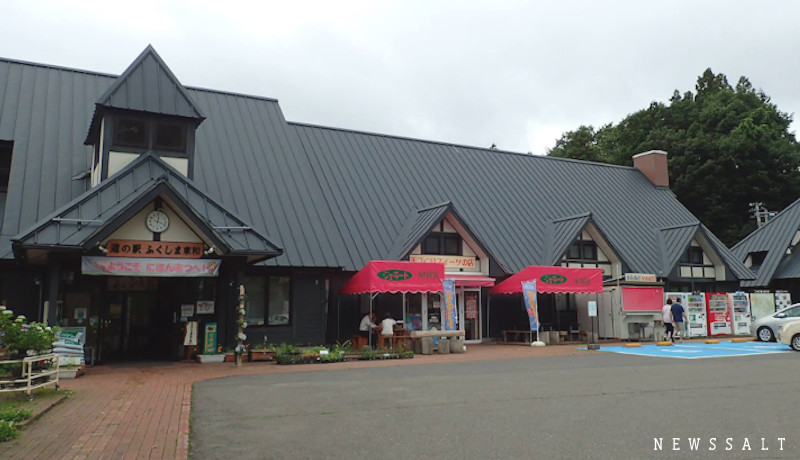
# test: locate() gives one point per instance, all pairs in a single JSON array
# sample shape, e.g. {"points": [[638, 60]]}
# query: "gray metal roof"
{"points": [[91, 217], [371, 182], [673, 242], [419, 223], [332, 197], [562, 233], [774, 238], [148, 85], [245, 160]]}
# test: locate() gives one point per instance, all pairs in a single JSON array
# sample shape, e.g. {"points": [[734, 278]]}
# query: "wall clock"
{"points": [[157, 221]]}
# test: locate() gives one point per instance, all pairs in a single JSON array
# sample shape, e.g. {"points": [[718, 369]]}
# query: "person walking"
{"points": [[666, 314], [678, 319]]}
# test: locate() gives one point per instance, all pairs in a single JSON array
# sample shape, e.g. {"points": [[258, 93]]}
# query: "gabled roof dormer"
{"points": [[147, 110]]}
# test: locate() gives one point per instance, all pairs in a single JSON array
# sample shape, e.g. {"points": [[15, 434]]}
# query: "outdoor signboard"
{"points": [[126, 266], [531, 303], [450, 320]]}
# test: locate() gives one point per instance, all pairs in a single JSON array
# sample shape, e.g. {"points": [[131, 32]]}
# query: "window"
{"points": [[170, 136], [268, 300], [131, 132], [757, 259], [584, 253], [694, 264], [150, 134], [5, 174], [446, 244]]}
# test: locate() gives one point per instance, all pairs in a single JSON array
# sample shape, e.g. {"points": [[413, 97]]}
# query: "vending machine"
{"points": [[719, 315], [740, 306], [695, 305]]}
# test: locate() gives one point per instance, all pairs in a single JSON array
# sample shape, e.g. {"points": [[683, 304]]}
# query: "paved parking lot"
{"points": [[588, 405], [697, 350]]}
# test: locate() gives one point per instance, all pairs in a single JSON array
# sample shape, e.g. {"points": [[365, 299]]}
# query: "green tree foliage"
{"points": [[728, 146]]}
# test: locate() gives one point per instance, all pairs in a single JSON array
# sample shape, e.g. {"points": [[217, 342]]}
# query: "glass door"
{"points": [[469, 312]]}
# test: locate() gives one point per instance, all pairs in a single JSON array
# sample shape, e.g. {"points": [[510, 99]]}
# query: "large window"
{"points": [[446, 244], [585, 253], [694, 264], [268, 301], [149, 134]]}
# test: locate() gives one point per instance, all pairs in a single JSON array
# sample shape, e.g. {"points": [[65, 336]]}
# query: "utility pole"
{"points": [[760, 213]]}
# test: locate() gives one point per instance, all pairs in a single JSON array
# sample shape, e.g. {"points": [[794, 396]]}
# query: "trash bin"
{"points": [[444, 346], [553, 337], [544, 337]]}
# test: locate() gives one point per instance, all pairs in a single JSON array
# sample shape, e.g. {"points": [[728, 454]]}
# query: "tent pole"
{"points": [[488, 315], [404, 311], [338, 318], [370, 318]]}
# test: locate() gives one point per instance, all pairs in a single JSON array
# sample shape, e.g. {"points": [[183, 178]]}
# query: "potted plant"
{"points": [[69, 371], [206, 358]]}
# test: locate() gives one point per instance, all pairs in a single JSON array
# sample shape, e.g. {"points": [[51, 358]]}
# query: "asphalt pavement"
{"points": [[593, 405]]}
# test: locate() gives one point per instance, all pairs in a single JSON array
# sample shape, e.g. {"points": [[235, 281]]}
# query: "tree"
{"points": [[727, 147]]}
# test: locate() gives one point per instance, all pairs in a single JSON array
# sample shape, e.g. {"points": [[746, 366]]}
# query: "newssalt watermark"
{"points": [[720, 444]]}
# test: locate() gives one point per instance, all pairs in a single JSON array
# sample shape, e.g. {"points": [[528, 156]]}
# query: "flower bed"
{"points": [[288, 354]]}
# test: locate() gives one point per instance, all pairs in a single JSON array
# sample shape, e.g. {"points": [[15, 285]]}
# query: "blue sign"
{"points": [[450, 311], [531, 303]]}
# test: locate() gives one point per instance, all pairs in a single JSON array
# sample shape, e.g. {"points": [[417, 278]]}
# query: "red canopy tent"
{"points": [[393, 276], [553, 279], [550, 280]]}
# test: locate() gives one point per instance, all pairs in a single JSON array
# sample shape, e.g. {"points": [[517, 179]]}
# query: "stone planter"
{"points": [[69, 373], [206, 359]]}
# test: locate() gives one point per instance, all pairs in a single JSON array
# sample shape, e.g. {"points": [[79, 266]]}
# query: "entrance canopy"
{"points": [[396, 276], [553, 280]]}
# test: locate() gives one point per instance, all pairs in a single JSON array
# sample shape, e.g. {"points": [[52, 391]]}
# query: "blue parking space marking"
{"points": [[697, 350]]}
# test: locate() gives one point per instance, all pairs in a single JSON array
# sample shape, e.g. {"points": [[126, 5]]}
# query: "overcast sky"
{"points": [[513, 73]]}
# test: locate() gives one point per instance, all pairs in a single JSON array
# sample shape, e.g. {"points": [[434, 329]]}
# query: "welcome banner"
{"points": [[450, 318], [531, 303], [126, 266]]}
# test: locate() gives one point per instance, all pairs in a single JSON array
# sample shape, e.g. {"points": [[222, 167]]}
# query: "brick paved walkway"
{"points": [[142, 410]]}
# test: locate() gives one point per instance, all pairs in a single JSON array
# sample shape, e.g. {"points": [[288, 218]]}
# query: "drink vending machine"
{"points": [[695, 307], [719, 315], [740, 305], [696, 312]]}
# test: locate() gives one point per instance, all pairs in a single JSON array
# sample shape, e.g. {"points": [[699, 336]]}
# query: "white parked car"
{"points": [[767, 326], [789, 334]]}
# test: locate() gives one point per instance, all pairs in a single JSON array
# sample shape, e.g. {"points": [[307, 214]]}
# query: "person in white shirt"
{"points": [[387, 325], [666, 313], [367, 325]]}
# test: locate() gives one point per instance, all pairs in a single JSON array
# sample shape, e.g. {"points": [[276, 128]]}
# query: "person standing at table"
{"points": [[666, 314], [678, 318]]}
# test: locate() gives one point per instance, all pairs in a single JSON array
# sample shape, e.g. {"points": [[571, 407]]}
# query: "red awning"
{"points": [[553, 279], [470, 279], [396, 276]]}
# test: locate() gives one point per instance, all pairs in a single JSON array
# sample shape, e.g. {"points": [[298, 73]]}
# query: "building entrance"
{"points": [[142, 324]]}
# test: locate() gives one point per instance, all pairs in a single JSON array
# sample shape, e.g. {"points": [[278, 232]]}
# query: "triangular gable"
{"points": [[96, 214], [421, 222], [672, 243], [774, 238], [148, 85], [737, 267], [563, 233], [417, 226]]}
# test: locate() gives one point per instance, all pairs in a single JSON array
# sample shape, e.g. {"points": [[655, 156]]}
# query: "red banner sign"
{"points": [[168, 249], [119, 266]]}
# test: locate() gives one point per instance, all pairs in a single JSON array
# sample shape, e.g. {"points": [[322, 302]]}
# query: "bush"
{"points": [[7, 431], [19, 336], [15, 415]]}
